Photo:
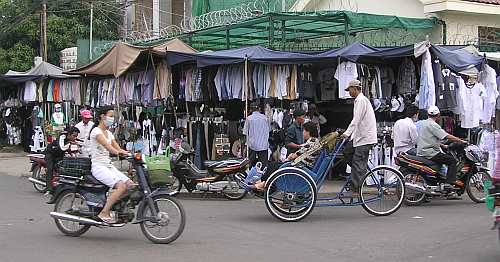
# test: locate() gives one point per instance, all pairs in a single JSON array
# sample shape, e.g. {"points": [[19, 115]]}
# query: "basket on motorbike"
{"points": [[159, 170], [75, 166]]}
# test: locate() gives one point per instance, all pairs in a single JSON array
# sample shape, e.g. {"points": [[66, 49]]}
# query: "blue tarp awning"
{"points": [[18, 78], [455, 57]]}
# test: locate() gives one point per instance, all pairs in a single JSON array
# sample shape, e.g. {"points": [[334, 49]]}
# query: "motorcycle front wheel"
{"points": [[38, 174], [475, 186], [169, 222], [67, 203], [234, 192]]}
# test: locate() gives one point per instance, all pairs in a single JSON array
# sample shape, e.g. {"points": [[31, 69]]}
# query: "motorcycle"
{"points": [[219, 177], [425, 179], [38, 168], [38, 172], [80, 198]]}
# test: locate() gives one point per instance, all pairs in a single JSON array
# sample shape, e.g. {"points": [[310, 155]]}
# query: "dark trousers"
{"points": [[444, 159], [49, 162], [357, 158], [258, 156]]}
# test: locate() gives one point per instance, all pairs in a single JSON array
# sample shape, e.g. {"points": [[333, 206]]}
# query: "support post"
{"points": [[91, 30]]}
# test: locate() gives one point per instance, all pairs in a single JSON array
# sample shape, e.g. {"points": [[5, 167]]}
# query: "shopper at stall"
{"points": [[429, 145], [404, 131], [84, 126], [362, 134], [314, 116], [102, 143], [294, 135], [257, 129]]}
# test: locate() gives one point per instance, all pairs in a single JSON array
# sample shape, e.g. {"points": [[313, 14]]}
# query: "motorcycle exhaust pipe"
{"points": [[81, 220], [36, 181], [415, 187]]}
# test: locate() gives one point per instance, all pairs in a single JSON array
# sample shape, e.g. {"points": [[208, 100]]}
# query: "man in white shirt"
{"points": [[84, 126], [362, 133], [404, 132]]}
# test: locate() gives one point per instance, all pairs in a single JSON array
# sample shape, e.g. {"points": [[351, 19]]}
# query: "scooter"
{"points": [[80, 198], [425, 179], [219, 177]]}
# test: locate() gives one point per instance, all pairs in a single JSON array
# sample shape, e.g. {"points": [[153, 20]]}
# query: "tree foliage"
{"points": [[67, 21]]}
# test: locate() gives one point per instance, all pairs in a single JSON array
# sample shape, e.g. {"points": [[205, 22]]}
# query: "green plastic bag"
{"points": [[160, 162], [489, 200]]}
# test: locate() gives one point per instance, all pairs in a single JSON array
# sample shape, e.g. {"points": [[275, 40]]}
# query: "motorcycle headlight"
{"points": [[475, 154]]}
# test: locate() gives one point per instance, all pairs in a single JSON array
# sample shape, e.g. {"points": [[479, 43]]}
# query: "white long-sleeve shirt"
{"points": [[405, 135], [363, 127]]}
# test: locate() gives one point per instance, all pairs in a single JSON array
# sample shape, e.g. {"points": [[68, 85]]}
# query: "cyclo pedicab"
{"points": [[291, 192]]}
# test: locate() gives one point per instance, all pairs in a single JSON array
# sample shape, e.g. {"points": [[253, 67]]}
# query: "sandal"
{"points": [[106, 220]]}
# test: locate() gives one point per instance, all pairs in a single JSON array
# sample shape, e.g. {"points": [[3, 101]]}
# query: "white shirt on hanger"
{"points": [[472, 102], [345, 73], [30, 91], [490, 84]]}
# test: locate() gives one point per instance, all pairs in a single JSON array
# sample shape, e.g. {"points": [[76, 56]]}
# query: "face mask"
{"points": [[109, 121]]}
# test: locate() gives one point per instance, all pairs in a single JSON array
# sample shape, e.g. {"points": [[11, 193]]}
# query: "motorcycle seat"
{"points": [[90, 179], [423, 161], [226, 166]]}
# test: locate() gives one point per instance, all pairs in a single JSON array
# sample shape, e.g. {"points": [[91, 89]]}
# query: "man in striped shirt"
{"points": [[257, 129]]}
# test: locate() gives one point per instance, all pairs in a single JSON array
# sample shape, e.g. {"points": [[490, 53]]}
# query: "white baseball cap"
{"points": [[433, 111]]}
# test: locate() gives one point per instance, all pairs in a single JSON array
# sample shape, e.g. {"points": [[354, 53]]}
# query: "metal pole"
{"points": [[44, 6], [247, 88], [91, 29]]}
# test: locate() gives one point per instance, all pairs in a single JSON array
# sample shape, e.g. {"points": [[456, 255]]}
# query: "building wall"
{"points": [[68, 58], [462, 28], [406, 8]]}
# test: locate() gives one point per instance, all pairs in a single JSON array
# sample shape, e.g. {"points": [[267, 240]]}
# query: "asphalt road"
{"points": [[221, 230]]}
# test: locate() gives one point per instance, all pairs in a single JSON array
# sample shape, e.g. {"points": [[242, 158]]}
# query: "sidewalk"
{"points": [[14, 164]]}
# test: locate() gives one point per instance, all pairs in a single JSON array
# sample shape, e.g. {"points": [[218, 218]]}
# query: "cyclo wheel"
{"points": [[382, 191], [290, 195]]}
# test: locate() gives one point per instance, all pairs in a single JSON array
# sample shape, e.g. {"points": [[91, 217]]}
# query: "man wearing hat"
{"points": [[429, 146], [257, 129], [295, 132], [84, 126], [362, 134]]}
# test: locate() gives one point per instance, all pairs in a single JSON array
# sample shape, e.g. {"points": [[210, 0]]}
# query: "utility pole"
{"points": [[44, 30], [91, 29]]}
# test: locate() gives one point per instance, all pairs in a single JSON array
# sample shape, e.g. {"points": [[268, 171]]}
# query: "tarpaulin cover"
{"points": [[459, 60], [122, 56], [18, 78], [351, 52], [43, 69]]}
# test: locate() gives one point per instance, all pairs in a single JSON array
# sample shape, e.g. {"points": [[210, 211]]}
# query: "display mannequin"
{"points": [[57, 119]]}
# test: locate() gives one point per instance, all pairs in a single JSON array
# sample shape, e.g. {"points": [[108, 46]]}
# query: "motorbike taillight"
{"points": [[466, 168]]}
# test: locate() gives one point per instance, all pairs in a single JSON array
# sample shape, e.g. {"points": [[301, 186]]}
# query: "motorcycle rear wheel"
{"points": [[63, 225], [37, 174], [165, 218], [413, 198], [475, 186]]}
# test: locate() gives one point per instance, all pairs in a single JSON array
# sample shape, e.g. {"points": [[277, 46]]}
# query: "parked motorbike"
{"points": [[80, 198], [38, 172], [219, 177], [425, 179]]}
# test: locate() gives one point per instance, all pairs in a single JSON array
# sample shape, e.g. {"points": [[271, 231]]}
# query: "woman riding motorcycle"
{"points": [[102, 143]]}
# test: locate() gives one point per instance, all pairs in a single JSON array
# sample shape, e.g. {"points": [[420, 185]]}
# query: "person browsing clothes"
{"points": [[257, 129]]}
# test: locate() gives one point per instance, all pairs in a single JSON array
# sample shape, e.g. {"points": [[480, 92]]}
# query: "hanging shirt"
{"points": [[446, 90], [427, 94], [30, 91], [345, 73], [363, 127], [405, 135], [407, 78], [472, 99], [498, 88], [488, 79]]}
